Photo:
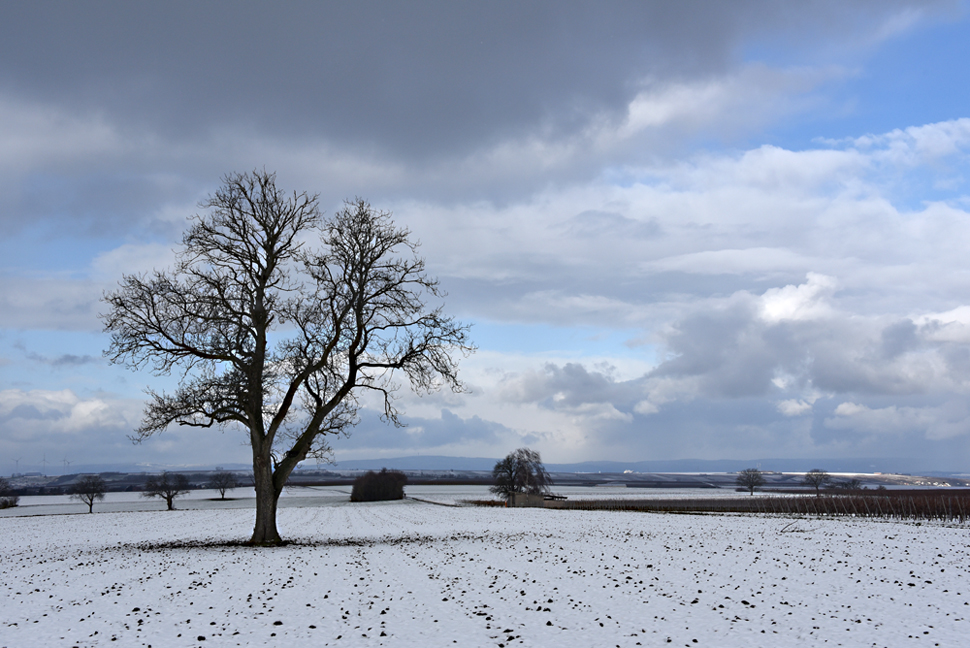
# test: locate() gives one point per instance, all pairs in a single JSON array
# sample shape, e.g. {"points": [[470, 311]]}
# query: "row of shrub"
{"points": [[953, 506], [378, 486]]}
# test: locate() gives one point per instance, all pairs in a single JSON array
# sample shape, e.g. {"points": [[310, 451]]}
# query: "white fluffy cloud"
{"points": [[27, 414]]}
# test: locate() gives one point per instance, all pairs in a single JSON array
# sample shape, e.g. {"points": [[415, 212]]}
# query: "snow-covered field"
{"points": [[324, 495], [416, 574]]}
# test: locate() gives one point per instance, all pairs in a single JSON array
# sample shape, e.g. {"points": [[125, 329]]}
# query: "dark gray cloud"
{"points": [[416, 78], [899, 338], [441, 101]]}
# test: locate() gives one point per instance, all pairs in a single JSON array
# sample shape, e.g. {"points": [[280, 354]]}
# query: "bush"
{"points": [[376, 487], [7, 497]]}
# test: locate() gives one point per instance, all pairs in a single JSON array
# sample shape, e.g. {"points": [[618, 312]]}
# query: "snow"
{"points": [[411, 573]]}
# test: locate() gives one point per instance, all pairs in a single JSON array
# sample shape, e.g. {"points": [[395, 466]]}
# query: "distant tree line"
{"points": [[751, 479]]}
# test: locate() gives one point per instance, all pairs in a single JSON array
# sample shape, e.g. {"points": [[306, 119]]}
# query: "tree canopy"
{"points": [[520, 471]]}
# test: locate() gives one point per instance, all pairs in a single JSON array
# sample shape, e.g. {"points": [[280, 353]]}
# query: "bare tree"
{"points": [[168, 486], [88, 490], [355, 307], [853, 484], [750, 479], [222, 481], [816, 478], [520, 472]]}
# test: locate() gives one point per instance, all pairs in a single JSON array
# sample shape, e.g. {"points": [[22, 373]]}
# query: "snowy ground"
{"points": [[416, 574]]}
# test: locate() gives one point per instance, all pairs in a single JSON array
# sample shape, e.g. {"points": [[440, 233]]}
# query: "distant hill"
{"points": [[862, 465], [437, 462]]}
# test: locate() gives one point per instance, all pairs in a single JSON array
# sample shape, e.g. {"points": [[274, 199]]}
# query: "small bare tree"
{"points": [[168, 486], [750, 479], [853, 484], [520, 472], [222, 481], [816, 478], [355, 309], [88, 490]]}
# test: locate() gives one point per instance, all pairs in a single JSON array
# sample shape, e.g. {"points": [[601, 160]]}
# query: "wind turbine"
{"points": [[44, 462], [67, 465], [16, 463]]}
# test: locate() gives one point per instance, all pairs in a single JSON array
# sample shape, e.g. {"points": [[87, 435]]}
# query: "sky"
{"points": [[693, 230]]}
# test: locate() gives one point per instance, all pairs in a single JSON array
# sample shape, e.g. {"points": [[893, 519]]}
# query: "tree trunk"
{"points": [[267, 496]]}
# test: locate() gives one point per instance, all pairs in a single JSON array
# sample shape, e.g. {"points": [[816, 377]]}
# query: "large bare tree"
{"points": [[520, 471], [281, 337]]}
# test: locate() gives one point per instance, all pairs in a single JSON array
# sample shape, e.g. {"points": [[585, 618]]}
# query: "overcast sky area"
{"points": [[680, 230]]}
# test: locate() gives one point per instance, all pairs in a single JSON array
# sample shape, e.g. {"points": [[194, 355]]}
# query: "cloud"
{"points": [[564, 168], [433, 79], [63, 413], [794, 407], [950, 420], [53, 302], [570, 384], [436, 108], [807, 301], [918, 145], [788, 342], [64, 360], [423, 435]]}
